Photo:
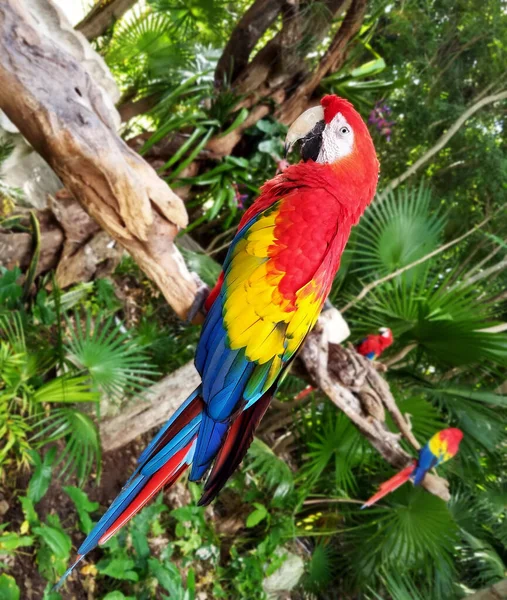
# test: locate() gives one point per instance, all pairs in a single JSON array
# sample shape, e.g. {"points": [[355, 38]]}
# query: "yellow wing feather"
{"points": [[257, 316]]}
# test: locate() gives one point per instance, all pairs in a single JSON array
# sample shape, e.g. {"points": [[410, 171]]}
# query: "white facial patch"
{"points": [[337, 140]]}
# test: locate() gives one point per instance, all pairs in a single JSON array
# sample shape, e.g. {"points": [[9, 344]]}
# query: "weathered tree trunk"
{"points": [[102, 16], [59, 110]]}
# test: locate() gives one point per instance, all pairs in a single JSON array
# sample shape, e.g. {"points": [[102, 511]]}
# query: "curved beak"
{"points": [[302, 126]]}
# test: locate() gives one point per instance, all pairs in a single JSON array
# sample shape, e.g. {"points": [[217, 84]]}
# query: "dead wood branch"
{"points": [[153, 410], [60, 111], [498, 591], [102, 16]]}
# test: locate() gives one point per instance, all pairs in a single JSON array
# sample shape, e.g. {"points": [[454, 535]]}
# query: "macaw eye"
{"points": [[344, 130]]}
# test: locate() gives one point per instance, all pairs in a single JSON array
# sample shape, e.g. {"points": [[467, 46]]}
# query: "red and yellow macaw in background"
{"points": [[441, 447], [276, 277], [373, 345]]}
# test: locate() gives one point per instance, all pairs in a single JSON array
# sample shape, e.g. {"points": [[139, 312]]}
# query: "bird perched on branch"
{"points": [[276, 277], [373, 345], [441, 447]]}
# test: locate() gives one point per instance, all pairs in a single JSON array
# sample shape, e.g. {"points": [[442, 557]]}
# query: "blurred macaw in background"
{"points": [[441, 447], [276, 277], [374, 344]]}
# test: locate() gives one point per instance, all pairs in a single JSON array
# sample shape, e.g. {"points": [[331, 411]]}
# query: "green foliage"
{"points": [[117, 368], [396, 232], [83, 507], [41, 477], [319, 575], [275, 473], [9, 589], [335, 448]]}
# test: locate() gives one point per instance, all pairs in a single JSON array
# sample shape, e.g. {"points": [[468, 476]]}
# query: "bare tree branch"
{"points": [[256, 20], [355, 387], [103, 14], [487, 272], [160, 401], [60, 111]]}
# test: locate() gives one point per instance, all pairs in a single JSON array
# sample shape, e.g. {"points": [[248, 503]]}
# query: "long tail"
{"points": [[391, 484], [170, 453], [159, 466]]}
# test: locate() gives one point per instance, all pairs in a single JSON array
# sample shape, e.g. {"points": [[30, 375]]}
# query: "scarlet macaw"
{"points": [[276, 277], [373, 345], [441, 447]]}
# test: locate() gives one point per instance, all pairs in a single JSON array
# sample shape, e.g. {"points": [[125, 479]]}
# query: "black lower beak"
{"points": [[312, 142]]}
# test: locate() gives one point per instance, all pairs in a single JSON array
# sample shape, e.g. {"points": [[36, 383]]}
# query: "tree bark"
{"points": [[152, 410], [59, 110], [332, 60], [102, 16], [250, 28]]}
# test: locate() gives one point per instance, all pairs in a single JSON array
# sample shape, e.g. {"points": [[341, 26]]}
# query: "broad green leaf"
{"points": [[10, 291], [118, 568], [9, 589], [255, 517], [83, 506], [12, 541], [117, 596], [41, 478], [55, 537], [29, 512]]}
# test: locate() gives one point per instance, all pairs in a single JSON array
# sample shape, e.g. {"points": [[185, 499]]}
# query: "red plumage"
{"points": [[373, 345]]}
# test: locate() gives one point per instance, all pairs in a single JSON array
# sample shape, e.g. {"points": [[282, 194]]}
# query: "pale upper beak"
{"points": [[302, 126]]}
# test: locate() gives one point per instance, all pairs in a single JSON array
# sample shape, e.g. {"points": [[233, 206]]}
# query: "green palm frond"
{"points": [[483, 564], [474, 412], [67, 390], [320, 570], [81, 451], [400, 587], [416, 534], [397, 231], [203, 17], [114, 361], [274, 471], [333, 442], [12, 329], [446, 323]]}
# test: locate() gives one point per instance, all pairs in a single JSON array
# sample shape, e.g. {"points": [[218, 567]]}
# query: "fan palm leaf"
{"points": [[397, 231], [114, 361]]}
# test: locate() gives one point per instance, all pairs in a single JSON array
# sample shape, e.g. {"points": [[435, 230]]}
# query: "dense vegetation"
{"points": [[68, 356]]}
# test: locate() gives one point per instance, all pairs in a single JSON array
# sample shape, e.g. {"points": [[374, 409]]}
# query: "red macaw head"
{"points": [[335, 134], [452, 437]]}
